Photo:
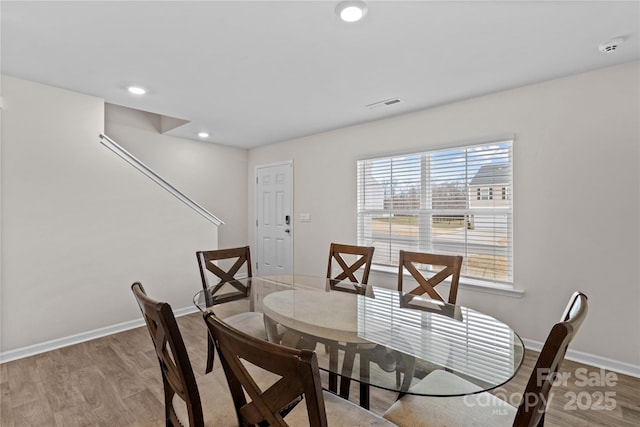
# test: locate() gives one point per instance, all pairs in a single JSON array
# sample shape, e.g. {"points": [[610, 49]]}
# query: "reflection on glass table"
{"points": [[380, 337]]}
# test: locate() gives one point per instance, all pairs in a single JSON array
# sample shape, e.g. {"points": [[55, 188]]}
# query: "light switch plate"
{"points": [[305, 217]]}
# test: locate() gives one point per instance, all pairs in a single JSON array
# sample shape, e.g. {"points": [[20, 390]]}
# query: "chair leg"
{"points": [[333, 366], [347, 369], [364, 379], [211, 353]]}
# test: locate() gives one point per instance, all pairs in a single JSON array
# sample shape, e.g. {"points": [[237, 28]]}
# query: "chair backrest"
{"points": [[532, 408], [297, 369], [451, 263], [206, 263], [364, 258], [177, 374]]}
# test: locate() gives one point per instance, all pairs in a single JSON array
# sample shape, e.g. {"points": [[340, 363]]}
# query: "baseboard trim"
{"points": [[591, 359], [43, 347]]}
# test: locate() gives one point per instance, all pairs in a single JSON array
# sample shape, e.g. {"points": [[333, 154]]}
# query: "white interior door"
{"points": [[274, 219]]}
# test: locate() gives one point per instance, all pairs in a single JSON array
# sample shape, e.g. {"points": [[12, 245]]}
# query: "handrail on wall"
{"points": [[136, 163]]}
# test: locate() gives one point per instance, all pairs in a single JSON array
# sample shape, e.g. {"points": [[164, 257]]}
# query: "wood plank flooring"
{"points": [[115, 381]]}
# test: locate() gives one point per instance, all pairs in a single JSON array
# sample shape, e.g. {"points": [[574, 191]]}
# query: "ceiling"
{"points": [[254, 73]]}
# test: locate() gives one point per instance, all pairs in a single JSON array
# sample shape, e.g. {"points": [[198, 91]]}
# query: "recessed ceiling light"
{"points": [[203, 134], [137, 90], [351, 11]]}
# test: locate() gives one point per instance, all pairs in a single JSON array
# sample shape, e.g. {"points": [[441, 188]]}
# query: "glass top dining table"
{"points": [[374, 335]]}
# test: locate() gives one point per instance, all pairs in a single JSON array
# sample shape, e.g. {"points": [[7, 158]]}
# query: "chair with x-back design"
{"points": [[294, 397], [351, 260], [250, 322], [207, 261], [482, 408], [451, 263], [183, 392], [364, 257]]}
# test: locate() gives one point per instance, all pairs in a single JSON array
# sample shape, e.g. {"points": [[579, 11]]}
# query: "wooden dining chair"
{"points": [[250, 322], [484, 409], [359, 258], [451, 263], [182, 398], [294, 398], [451, 266], [364, 257], [208, 261]]}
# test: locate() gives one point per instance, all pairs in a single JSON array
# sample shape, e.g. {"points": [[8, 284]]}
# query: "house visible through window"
{"points": [[441, 202]]}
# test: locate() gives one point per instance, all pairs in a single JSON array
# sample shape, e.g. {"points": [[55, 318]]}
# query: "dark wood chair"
{"points": [[348, 270], [451, 263], [250, 322], [182, 399], [358, 258], [296, 379], [207, 261], [484, 409]]}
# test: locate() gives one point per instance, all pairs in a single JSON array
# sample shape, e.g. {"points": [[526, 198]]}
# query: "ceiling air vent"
{"points": [[611, 45], [383, 103]]}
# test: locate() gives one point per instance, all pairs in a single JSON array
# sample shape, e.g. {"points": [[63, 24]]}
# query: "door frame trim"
{"points": [[255, 202]]}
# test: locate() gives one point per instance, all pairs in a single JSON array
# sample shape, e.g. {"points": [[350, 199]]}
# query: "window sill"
{"points": [[464, 283]]}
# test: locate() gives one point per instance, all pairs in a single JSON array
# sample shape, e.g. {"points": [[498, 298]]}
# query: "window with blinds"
{"points": [[455, 201]]}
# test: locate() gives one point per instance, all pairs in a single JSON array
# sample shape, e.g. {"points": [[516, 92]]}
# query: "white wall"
{"points": [[215, 176], [576, 139], [79, 225]]}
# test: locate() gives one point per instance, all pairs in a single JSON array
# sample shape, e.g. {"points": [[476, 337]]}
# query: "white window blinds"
{"points": [[455, 201]]}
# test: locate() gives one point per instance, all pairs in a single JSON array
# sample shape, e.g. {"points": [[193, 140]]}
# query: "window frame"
{"points": [[427, 212]]}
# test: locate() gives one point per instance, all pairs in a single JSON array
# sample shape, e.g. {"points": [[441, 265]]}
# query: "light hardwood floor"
{"points": [[115, 381]]}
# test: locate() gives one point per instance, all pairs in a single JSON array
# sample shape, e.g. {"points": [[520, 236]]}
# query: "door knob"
{"points": [[286, 230]]}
